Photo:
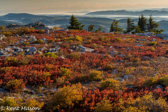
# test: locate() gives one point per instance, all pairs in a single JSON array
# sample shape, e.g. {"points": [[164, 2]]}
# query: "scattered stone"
{"points": [[127, 76], [159, 87]]}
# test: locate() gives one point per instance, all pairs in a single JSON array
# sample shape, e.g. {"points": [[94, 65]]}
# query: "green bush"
{"points": [[110, 84], [164, 81], [78, 38], [47, 74], [33, 103], [148, 103], [65, 97], [153, 81], [103, 106], [74, 55], [117, 39], [24, 60], [15, 85], [9, 101], [65, 72], [40, 41], [95, 75], [153, 43], [13, 60], [51, 55], [5, 69]]}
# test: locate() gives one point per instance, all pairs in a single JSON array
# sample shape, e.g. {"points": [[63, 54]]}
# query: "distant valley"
{"points": [[99, 18]]}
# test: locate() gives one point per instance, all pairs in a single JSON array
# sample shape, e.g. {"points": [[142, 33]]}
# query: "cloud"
{"points": [[36, 6]]}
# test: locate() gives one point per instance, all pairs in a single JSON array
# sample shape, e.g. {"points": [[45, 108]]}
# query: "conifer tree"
{"points": [[142, 23], [152, 25], [75, 24], [130, 25], [91, 27], [115, 27]]}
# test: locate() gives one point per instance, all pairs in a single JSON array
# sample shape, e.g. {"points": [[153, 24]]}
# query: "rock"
{"points": [[130, 86], [2, 53], [121, 55], [129, 48], [54, 49], [62, 57], [139, 45], [153, 39], [159, 87], [44, 40], [40, 94], [146, 58], [32, 92], [154, 74], [2, 37], [32, 51], [43, 48], [2, 90], [142, 39], [121, 80], [114, 71], [39, 52], [53, 90], [127, 76], [84, 49], [112, 52]]}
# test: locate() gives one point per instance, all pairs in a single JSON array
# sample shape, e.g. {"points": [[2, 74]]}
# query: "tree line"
{"points": [[143, 25]]}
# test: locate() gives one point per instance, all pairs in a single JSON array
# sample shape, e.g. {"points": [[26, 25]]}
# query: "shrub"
{"points": [[102, 38], [164, 81], [65, 97], [136, 60], [60, 80], [33, 103], [65, 72], [94, 45], [40, 41], [13, 60], [109, 67], [103, 106], [15, 85], [110, 84], [51, 55], [5, 69], [26, 43], [74, 55], [10, 101], [152, 49], [65, 45], [148, 103], [95, 75], [151, 81], [90, 38], [153, 43], [47, 74], [117, 39], [49, 66], [78, 38], [24, 60]]}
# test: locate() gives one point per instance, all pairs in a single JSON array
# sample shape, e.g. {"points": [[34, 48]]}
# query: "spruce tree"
{"points": [[142, 23], [75, 24], [130, 25], [91, 27], [152, 25], [115, 27]]}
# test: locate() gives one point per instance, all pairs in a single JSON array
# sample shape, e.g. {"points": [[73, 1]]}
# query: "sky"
{"points": [[60, 6]]}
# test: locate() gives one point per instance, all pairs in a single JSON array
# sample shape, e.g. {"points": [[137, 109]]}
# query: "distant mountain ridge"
{"points": [[162, 12], [63, 20]]}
